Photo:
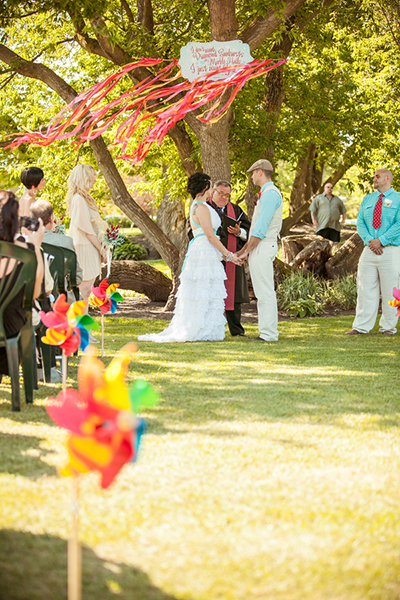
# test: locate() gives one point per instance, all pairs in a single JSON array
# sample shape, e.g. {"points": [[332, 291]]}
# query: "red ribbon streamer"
{"points": [[159, 101]]}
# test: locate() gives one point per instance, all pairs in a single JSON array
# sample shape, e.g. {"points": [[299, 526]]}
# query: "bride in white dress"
{"points": [[199, 309]]}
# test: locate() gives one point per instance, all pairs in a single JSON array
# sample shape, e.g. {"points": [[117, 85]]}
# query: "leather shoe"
{"points": [[388, 332], [239, 335], [354, 332]]}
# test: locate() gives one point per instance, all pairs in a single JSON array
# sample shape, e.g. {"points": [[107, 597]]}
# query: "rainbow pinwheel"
{"points": [[106, 297], [396, 301], [67, 325], [104, 431]]}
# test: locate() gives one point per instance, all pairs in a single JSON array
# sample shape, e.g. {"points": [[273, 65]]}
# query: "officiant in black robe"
{"points": [[234, 238]]}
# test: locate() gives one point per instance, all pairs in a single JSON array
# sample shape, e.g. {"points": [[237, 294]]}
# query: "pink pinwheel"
{"points": [[396, 301], [106, 297], [67, 325]]}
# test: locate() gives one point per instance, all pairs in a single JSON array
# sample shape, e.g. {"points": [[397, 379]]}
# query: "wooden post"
{"points": [[64, 371], [74, 549], [102, 336]]}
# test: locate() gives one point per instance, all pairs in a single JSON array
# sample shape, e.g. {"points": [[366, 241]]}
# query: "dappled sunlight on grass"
{"points": [[268, 471]]}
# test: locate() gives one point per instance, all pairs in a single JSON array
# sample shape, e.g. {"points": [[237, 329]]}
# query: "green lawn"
{"points": [[269, 472]]}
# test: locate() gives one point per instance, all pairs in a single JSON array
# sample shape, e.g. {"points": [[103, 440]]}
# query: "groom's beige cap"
{"points": [[261, 164]]}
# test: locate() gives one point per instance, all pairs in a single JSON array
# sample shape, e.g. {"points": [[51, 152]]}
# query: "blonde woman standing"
{"points": [[87, 228]]}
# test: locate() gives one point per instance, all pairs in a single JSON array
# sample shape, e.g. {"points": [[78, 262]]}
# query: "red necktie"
{"points": [[376, 219], [259, 196]]}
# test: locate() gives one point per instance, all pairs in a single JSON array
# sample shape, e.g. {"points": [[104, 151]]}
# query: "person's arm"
{"points": [[270, 202], [93, 239], [249, 247], [344, 215], [203, 217], [313, 208], [362, 229], [314, 218]]}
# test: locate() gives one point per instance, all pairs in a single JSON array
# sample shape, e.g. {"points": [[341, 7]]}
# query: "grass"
{"points": [[269, 471]]}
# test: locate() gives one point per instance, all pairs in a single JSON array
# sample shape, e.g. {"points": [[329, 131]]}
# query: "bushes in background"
{"points": [[303, 295]]}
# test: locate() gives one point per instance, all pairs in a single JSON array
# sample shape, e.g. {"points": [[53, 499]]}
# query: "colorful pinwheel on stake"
{"points": [[396, 301], [67, 325], [106, 297], [104, 431]]}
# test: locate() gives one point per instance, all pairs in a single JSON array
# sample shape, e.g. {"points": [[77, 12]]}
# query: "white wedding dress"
{"points": [[199, 310]]}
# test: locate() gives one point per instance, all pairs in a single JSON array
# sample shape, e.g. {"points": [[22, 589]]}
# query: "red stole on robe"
{"points": [[230, 267]]}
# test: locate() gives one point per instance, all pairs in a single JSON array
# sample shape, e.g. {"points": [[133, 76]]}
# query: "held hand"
{"points": [[237, 260], [34, 237], [235, 230], [242, 254], [375, 245]]}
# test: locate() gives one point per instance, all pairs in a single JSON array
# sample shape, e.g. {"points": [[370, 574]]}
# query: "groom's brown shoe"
{"points": [[354, 332]]}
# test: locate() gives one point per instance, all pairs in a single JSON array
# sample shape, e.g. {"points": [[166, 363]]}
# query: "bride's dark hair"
{"points": [[198, 183]]}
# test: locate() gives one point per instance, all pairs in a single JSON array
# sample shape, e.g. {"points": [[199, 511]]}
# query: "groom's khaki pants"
{"points": [[377, 273], [262, 276]]}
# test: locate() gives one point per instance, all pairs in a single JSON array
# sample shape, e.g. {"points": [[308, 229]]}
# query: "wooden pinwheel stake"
{"points": [[102, 336], [104, 432], [74, 547], [105, 297]]}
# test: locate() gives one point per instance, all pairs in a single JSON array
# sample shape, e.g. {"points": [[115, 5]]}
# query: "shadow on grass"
{"points": [[34, 567], [21, 455], [314, 371]]}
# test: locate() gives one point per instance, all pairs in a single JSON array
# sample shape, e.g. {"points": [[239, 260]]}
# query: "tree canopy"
{"points": [[334, 104]]}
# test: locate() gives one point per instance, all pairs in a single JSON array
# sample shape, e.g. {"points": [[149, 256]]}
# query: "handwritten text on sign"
{"points": [[197, 59]]}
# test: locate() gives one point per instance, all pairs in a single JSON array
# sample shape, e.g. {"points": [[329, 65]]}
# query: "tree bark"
{"points": [[314, 256], [141, 278], [262, 27], [215, 148], [301, 189], [345, 261], [293, 244]]}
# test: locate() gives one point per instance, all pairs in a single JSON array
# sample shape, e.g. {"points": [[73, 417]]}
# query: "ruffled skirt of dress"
{"points": [[199, 309]]}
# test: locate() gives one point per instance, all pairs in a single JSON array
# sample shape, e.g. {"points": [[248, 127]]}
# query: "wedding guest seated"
{"points": [[14, 315], [41, 209], [33, 180]]}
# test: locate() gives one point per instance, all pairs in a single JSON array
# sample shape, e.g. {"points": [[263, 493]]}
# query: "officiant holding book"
{"points": [[233, 234]]}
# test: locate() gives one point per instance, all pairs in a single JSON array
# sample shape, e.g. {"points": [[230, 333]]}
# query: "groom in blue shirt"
{"points": [[378, 224]]}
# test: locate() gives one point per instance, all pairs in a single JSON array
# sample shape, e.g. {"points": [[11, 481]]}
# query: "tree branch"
{"points": [[120, 194], [128, 11], [262, 27], [145, 15]]}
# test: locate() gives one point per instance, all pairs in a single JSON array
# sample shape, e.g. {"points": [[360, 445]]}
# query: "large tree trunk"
{"points": [[301, 190], [345, 261], [141, 278], [215, 148]]}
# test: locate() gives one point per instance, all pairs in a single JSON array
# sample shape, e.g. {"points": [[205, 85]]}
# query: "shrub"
{"points": [[301, 295], [304, 307], [343, 292], [129, 251]]}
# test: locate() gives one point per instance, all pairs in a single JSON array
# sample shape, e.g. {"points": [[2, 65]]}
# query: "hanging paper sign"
{"points": [[197, 59]]}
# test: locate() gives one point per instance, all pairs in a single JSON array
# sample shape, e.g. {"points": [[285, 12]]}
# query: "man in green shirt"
{"points": [[326, 210]]}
